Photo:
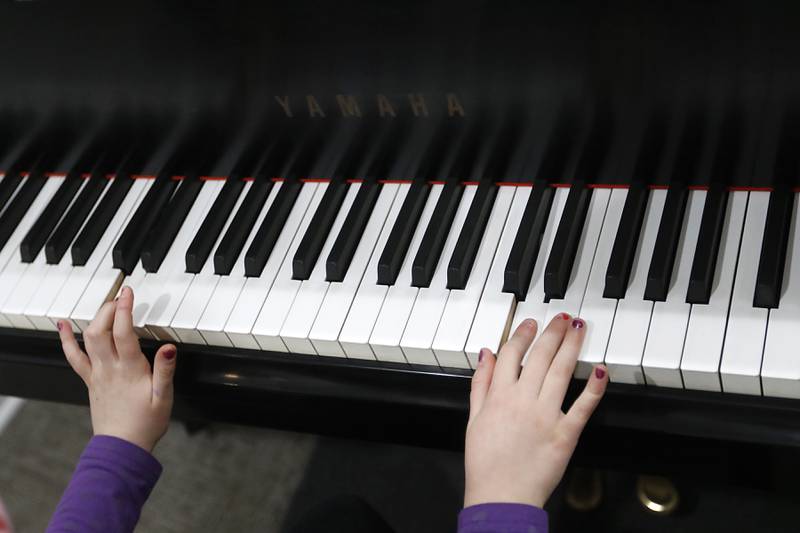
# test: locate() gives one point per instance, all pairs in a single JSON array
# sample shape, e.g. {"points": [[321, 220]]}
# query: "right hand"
{"points": [[518, 440]]}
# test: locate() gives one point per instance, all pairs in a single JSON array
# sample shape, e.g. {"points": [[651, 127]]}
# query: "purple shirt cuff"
{"points": [[502, 518], [110, 485]]}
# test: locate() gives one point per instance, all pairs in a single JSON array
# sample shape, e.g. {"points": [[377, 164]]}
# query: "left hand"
{"points": [[128, 400]]}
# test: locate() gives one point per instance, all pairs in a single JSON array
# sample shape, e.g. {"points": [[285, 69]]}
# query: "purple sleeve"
{"points": [[502, 517], [108, 489]]}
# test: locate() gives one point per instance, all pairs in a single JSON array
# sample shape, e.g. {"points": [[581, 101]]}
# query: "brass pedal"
{"points": [[584, 490], [657, 494]]}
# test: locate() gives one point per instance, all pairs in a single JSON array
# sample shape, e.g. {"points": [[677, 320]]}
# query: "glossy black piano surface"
{"points": [[609, 96]]}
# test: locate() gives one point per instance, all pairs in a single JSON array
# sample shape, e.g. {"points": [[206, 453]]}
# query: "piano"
{"points": [[332, 208]]}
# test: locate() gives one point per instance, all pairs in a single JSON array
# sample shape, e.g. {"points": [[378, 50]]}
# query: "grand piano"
{"points": [[331, 208]]}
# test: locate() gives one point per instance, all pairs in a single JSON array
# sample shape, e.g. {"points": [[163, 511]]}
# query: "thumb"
{"points": [[163, 372]]}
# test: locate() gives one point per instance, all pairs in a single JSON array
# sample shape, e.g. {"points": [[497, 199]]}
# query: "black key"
{"points": [[399, 240], [37, 236], [627, 240], [567, 240], [471, 236], [242, 224], [264, 241], [310, 247], [203, 242], [8, 185], [525, 250], [137, 233], [769, 280], [62, 237], [704, 264], [433, 241], [13, 214], [93, 231], [666, 247], [169, 223], [344, 247]]}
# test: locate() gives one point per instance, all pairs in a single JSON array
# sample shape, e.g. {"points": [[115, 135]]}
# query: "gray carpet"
{"points": [[222, 479]]}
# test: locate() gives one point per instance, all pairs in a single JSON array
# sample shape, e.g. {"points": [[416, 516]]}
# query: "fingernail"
{"points": [[600, 372], [481, 354], [126, 291], [169, 353], [59, 325], [565, 316], [529, 322], [578, 323]]}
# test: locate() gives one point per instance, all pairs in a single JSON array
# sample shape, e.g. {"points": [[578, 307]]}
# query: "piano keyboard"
{"points": [[682, 288]]}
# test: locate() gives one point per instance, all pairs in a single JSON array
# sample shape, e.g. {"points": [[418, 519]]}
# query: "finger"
{"points": [[125, 338], [580, 412], [98, 338], [543, 352], [562, 368], [510, 357], [481, 381], [76, 357], [163, 372]]}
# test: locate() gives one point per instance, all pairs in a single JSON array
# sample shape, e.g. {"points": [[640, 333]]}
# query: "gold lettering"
{"points": [[454, 106], [284, 103], [314, 109], [348, 105], [418, 105], [385, 106]]}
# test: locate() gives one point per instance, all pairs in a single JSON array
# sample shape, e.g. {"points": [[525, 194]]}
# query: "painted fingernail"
{"points": [[59, 325], [565, 316], [600, 372], [578, 323], [529, 322], [481, 354], [169, 353]]}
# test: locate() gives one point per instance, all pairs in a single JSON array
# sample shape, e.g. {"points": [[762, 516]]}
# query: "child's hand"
{"points": [[518, 440], [127, 399]]}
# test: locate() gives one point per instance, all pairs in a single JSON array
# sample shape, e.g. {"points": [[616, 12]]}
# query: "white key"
{"points": [[55, 278], [354, 337], [392, 319], [534, 305], [183, 325], [11, 263], [747, 325], [336, 305], [459, 312], [780, 371], [107, 279], [598, 312], [629, 332], [34, 276], [251, 299], [297, 327], [80, 277], [495, 309], [705, 335], [219, 308], [417, 339], [161, 292], [662, 353], [267, 326], [584, 258]]}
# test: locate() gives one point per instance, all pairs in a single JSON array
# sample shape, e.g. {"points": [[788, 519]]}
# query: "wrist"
{"points": [[146, 444], [478, 497]]}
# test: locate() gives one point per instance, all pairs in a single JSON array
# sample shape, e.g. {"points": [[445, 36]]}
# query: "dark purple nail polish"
{"points": [[59, 325], [577, 323], [600, 372], [481, 355], [169, 353]]}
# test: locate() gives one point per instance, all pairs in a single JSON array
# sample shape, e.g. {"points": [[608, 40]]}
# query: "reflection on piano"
{"points": [[357, 237]]}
